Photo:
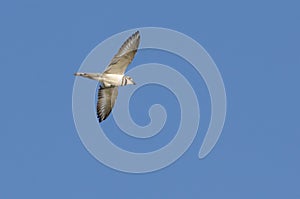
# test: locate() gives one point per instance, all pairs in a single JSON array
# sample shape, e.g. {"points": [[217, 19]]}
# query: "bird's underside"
{"points": [[114, 76]]}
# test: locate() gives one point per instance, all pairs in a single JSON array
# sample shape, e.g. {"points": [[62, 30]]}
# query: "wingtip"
{"points": [[137, 33], [100, 118]]}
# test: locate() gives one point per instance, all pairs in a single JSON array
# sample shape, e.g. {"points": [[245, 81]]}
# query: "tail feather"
{"points": [[94, 76], [79, 74]]}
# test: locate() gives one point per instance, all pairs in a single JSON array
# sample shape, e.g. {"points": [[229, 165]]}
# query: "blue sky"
{"points": [[256, 48]]}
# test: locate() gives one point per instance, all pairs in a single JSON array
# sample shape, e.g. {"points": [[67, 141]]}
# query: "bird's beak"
{"points": [[133, 83]]}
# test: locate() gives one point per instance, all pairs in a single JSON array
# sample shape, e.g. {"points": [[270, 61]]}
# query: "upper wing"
{"points": [[124, 56], [106, 101]]}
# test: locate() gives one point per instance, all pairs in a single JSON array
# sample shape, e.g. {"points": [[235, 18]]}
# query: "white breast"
{"points": [[112, 79]]}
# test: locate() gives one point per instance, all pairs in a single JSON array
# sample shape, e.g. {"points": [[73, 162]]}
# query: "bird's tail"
{"points": [[94, 76], [79, 74]]}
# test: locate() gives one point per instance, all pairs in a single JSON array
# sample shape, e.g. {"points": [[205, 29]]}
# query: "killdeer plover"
{"points": [[113, 76]]}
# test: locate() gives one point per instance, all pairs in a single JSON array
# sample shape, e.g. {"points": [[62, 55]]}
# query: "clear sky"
{"points": [[255, 45]]}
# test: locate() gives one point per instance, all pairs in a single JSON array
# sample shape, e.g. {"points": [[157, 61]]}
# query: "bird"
{"points": [[113, 76]]}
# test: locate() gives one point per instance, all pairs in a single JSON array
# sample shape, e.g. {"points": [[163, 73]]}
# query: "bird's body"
{"points": [[113, 76], [108, 80], [112, 80]]}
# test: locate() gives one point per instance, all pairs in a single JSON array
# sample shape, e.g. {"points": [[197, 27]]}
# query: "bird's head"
{"points": [[129, 80]]}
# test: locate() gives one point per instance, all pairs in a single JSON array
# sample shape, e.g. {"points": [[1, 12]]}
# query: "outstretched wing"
{"points": [[124, 56], [106, 101]]}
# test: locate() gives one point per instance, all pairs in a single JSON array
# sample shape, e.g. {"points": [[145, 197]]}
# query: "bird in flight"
{"points": [[113, 76]]}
